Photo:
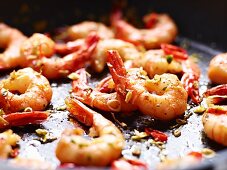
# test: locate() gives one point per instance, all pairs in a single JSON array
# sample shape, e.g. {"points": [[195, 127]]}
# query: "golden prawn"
{"points": [[98, 59], [192, 158], [83, 29], [38, 46], [100, 151], [10, 40], [54, 68], [172, 59], [218, 66], [24, 88], [215, 118], [162, 97], [127, 51], [111, 102], [160, 29], [157, 62], [8, 140]]}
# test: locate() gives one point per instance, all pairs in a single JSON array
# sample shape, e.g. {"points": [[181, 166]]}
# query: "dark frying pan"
{"points": [[199, 21]]}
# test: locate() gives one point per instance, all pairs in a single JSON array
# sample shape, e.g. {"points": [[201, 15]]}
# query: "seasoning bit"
{"points": [[177, 133], [169, 58], [2, 112], [111, 84], [41, 132], [158, 144], [187, 115], [4, 93], [174, 126], [73, 76], [209, 153], [28, 109], [199, 109], [181, 121], [45, 136], [61, 108], [120, 123], [136, 150], [139, 135], [128, 96]]}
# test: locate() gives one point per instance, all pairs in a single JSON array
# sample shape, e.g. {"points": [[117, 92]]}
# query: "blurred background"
{"points": [[201, 20]]}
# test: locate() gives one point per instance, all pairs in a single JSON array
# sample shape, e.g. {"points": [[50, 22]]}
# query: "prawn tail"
{"points": [[104, 85], [218, 90], [80, 83], [116, 15], [81, 112], [191, 85], [91, 42], [24, 118], [117, 70], [217, 94]]}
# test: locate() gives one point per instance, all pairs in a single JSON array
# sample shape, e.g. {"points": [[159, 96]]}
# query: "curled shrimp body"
{"points": [[215, 118], [156, 62], [100, 151], [10, 41], [38, 45], [54, 68], [162, 97], [218, 66], [127, 51], [83, 29], [111, 102], [24, 88], [8, 139], [163, 30], [214, 123], [172, 59]]}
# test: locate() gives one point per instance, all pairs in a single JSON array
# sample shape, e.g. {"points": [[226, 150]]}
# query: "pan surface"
{"points": [[195, 20], [192, 137]]}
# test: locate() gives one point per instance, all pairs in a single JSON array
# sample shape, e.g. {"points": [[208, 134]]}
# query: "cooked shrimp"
{"points": [[111, 102], [8, 139], [10, 41], [172, 59], [215, 118], [215, 124], [32, 163], [132, 164], [99, 151], [163, 30], [24, 89], [98, 59], [157, 62], [127, 51], [162, 97], [218, 66], [83, 29], [38, 45], [192, 158], [54, 68]]}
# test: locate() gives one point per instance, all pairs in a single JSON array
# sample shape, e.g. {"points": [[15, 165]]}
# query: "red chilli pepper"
{"points": [[197, 155], [217, 110], [177, 52], [150, 20], [157, 135]]}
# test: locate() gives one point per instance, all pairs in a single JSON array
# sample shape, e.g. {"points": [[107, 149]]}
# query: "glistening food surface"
{"points": [[191, 138], [148, 95]]}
